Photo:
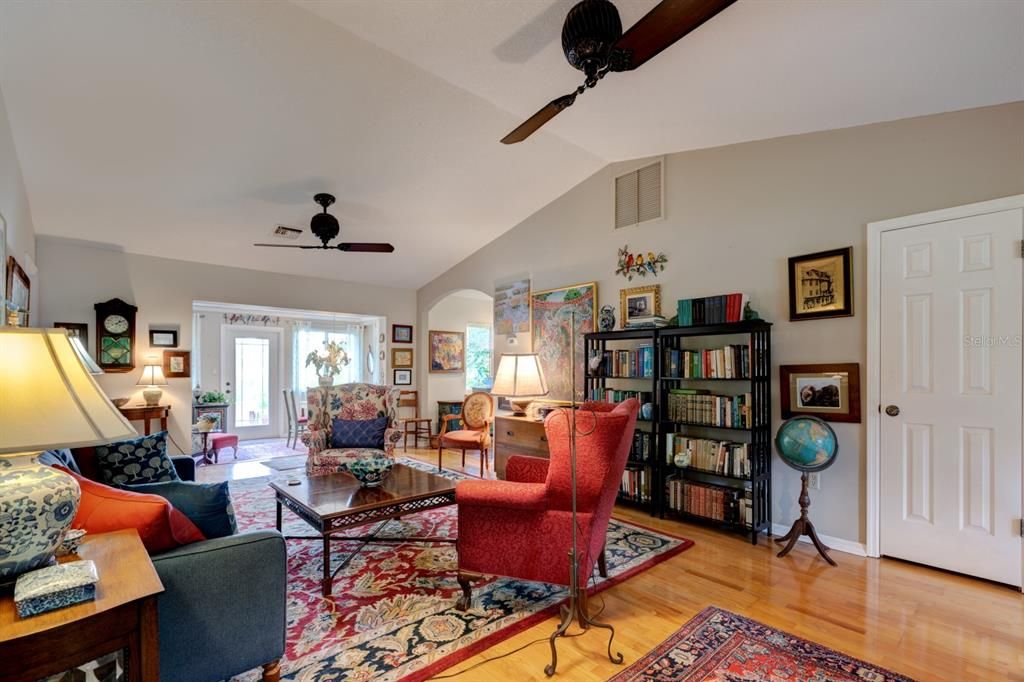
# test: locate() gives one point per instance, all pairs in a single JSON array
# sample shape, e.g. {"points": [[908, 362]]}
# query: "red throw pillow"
{"points": [[103, 509]]}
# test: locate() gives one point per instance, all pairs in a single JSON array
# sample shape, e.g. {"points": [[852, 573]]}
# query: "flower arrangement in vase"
{"points": [[328, 363]]}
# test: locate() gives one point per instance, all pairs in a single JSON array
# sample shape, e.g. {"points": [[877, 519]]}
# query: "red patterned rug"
{"points": [[719, 646], [392, 616]]}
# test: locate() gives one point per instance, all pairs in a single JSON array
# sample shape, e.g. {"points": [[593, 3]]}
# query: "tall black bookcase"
{"points": [[753, 486]]}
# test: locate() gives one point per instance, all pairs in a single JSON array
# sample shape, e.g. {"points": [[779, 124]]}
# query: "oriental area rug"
{"points": [[719, 646], [392, 615]]}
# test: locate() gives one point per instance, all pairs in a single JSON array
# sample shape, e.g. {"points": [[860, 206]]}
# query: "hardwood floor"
{"points": [[921, 622]]}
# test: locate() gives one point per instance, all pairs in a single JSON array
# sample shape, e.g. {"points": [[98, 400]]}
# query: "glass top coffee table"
{"points": [[337, 502]]}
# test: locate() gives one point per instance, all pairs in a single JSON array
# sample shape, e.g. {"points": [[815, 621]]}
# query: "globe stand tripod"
{"points": [[803, 526]]}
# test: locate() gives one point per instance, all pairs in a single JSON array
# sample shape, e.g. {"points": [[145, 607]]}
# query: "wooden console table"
{"points": [[517, 436], [123, 616], [146, 413]]}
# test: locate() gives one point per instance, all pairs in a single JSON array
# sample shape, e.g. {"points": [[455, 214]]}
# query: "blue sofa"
{"points": [[222, 611]]}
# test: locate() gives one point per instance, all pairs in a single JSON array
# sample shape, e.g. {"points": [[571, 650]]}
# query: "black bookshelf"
{"points": [[661, 471]]}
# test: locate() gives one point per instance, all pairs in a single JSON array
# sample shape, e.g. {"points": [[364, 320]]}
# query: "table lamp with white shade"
{"points": [[152, 378], [520, 379], [48, 400]]}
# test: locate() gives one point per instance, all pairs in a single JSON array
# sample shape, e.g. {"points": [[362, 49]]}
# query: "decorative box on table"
{"points": [[55, 587]]}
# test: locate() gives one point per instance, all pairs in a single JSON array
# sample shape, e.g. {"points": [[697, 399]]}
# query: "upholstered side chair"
{"points": [[475, 434], [347, 401]]}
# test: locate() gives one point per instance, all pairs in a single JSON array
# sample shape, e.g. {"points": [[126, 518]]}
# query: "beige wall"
{"points": [[735, 214], [21, 239], [452, 314], [78, 275]]}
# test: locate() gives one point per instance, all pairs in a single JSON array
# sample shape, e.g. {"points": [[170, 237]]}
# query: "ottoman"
{"points": [[223, 440]]}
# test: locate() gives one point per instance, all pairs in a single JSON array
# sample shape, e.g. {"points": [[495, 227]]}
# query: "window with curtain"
{"points": [[478, 356], [310, 339]]}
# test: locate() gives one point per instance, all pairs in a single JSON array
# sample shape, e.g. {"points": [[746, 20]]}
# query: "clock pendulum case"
{"points": [[115, 335]]}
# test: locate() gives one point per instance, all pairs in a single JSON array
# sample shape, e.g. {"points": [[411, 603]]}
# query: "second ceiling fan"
{"points": [[594, 43]]}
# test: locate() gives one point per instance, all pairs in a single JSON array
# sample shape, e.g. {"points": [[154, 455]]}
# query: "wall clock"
{"points": [[115, 335]]}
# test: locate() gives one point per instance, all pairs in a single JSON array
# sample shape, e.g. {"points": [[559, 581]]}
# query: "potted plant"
{"points": [[328, 363], [213, 398]]}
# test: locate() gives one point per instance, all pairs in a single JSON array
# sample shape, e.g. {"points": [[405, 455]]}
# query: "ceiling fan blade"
{"points": [[532, 124], [290, 246], [366, 247], [669, 21]]}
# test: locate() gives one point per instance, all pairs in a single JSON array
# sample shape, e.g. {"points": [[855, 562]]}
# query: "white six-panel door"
{"points": [[950, 393]]}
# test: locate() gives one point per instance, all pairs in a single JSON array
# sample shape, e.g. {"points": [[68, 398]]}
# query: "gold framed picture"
{"points": [[821, 285], [639, 302], [447, 352], [401, 358]]}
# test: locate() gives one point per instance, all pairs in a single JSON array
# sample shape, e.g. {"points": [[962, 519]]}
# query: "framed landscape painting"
{"points": [[512, 308], [447, 352], [401, 357], [552, 335]]}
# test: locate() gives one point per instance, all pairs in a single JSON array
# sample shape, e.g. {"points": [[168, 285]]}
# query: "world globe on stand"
{"points": [[806, 443]]}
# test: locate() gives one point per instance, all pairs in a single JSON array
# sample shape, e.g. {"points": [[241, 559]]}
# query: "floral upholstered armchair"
{"points": [[347, 401]]}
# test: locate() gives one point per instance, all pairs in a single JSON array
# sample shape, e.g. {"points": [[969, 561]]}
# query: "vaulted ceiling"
{"points": [[190, 129]]}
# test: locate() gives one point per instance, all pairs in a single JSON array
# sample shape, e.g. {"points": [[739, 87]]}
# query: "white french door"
{"points": [[950, 394], [251, 365]]}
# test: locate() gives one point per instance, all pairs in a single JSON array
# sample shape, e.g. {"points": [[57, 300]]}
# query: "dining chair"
{"points": [[415, 426], [296, 425]]}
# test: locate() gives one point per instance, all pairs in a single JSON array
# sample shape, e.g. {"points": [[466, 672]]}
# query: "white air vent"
{"points": [[285, 232], [638, 195]]}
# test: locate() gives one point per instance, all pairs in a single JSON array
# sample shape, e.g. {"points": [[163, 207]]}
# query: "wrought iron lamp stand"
{"points": [[575, 608]]}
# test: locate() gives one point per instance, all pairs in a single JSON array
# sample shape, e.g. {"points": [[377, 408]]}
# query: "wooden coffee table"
{"points": [[337, 502]]}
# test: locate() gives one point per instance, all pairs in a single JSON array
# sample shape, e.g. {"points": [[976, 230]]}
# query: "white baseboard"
{"points": [[838, 544]]}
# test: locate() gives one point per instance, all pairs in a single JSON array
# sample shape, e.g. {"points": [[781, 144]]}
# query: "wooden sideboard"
{"points": [[517, 436]]}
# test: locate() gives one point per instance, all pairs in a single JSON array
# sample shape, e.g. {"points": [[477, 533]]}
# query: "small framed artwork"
{"points": [[403, 377], [177, 364], [401, 333], [401, 358], [19, 294], [76, 330], [447, 352], [830, 391], [639, 302], [163, 338], [821, 285]]}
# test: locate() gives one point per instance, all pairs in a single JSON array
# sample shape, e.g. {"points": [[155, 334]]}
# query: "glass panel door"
{"points": [[251, 364]]}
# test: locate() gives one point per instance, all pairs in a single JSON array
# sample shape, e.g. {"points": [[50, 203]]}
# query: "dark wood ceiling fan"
{"points": [[326, 227], [594, 43]]}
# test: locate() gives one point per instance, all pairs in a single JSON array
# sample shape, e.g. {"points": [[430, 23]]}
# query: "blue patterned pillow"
{"points": [[143, 460], [359, 433]]}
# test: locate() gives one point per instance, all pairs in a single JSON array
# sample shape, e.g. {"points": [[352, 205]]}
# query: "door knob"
{"points": [[892, 410]]}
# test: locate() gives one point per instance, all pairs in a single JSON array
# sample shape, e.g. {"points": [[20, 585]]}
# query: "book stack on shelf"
{"points": [[642, 448], [721, 457], [723, 309], [610, 395], [728, 505], [636, 485], [627, 364], [729, 362], [701, 408], [646, 322]]}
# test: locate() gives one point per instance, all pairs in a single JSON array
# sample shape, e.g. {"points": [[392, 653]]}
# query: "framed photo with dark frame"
{"points": [[76, 330], [821, 285], [403, 377], [828, 391], [401, 333], [163, 338], [177, 364]]}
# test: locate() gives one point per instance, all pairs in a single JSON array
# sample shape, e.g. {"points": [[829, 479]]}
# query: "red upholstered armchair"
{"points": [[520, 527]]}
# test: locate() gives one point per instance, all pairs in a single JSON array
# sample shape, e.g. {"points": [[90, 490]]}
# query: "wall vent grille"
{"points": [[285, 232], [639, 195]]}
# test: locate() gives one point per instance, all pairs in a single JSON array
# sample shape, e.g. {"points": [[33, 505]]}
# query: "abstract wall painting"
{"points": [[552, 334], [512, 308], [447, 352]]}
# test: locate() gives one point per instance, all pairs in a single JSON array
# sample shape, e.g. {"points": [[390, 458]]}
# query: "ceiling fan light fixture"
{"points": [[591, 29]]}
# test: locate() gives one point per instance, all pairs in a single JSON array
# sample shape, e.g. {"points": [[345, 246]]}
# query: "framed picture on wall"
{"points": [[403, 377], [76, 330], [177, 364], [447, 352], [163, 338], [828, 391], [639, 302], [19, 294], [821, 285], [401, 333], [401, 358], [3, 280]]}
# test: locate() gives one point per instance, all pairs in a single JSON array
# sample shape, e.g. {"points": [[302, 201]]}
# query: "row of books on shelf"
{"points": [[729, 362], [636, 484], [698, 406], [711, 309], [610, 395], [710, 501], [714, 456], [642, 446], [637, 363]]}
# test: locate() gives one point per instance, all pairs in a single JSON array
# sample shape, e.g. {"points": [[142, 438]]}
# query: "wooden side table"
{"points": [[517, 436], [146, 413], [123, 616]]}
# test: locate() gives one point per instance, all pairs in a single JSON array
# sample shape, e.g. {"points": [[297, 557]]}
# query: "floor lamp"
{"points": [[574, 609]]}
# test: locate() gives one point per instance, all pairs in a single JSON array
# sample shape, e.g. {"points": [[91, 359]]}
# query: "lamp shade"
{"points": [[48, 399], [152, 375], [519, 375]]}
